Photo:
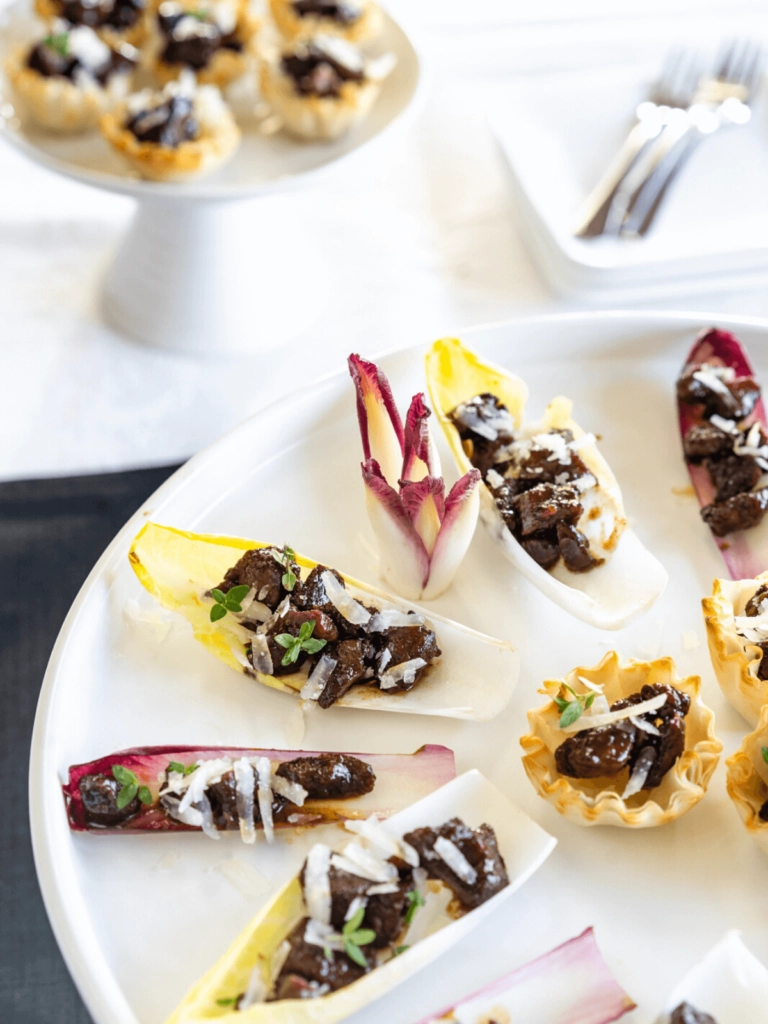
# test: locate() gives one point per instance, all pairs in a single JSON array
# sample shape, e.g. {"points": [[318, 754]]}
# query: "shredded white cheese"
{"points": [[405, 673], [317, 886], [244, 785], [318, 678], [363, 863], [343, 601], [358, 903], [261, 658], [451, 855], [598, 721], [645, 725], [256, 991], [388, 618], [639, 773], [292, 791], [382, 889], [264, 776]]}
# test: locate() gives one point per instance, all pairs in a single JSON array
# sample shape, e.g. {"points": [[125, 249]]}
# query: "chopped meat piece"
{"points": [[384, 914], [545, 505], [574, 547], [593, 753], [705, 439], [504, 496], [543, 548], [763, 812], [687, 1014], [740, 512], [168, 124], [762, 668], [669, 719], [542, 467], [742, 397], [350, 669], [343, 14], [316, 72], [222, 796], [732, 474], [753, 604], [478, 847], [293, 986], [194, 50], [99, 796], [259, 569], [310, 963], [313, 595], [324, 628], [488, 413], [404, 643], [329, 776]]}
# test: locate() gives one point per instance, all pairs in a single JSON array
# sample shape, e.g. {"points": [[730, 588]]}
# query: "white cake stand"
{"points": [[213, 266]]}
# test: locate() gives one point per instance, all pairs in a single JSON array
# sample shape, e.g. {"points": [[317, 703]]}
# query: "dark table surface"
{"points": [[51, 534]]}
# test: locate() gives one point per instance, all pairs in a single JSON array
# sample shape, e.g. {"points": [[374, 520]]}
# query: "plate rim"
{"points": [[113, 1008]]}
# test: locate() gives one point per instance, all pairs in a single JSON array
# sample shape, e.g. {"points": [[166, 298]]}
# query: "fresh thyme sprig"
{"points": [[177, 766], [764, 752], [59, 42], [294, 645], [129, 787], [286, 558], [572, 710], [354, 937], [229, 602]]}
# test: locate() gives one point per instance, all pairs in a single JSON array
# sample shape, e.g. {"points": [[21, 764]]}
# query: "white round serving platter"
{"points": [[140, 918]]}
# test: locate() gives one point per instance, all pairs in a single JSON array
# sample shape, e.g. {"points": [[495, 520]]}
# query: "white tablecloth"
{"points": [[421, 239]]}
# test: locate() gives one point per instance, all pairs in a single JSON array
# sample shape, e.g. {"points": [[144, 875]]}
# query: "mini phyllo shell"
{"points": [[674, 748], [548, 496], [444, 902], [115, 21], [70, 78], [216, 39], [322, 87], [355, 20], [747, 781], [183, 131], [231, 789], [310, 632], [737, 634]]}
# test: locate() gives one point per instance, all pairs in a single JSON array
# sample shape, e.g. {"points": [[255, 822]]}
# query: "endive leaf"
{"points": [[571, 984], [420, 457], [178, 568], [630, 579], [403, 558], [730, 984], [400, 780], [745, 553], [523, 844], [381, 428], [424, 502], [456, 532]]}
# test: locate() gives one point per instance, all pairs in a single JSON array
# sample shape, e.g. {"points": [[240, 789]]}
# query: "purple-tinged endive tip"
{"points": [[381, 428], [420, 456]]}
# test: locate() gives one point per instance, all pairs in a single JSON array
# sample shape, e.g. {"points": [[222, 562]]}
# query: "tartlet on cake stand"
{"points": [[207, 266]]}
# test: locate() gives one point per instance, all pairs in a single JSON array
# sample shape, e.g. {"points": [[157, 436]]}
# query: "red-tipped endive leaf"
{"points": [[459, 521], [571, 984], [404, 562], [381, 428], [424, 501], [401, 779], [745, 553], [420, 456]]}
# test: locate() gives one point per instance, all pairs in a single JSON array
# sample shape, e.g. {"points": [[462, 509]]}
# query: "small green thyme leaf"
{"points": [[765, 754], [354, 922], [218, 612], [144, 795], [312, 646], [58, 41], [238, 593], [572, 714], [126, 794], [176, 766], [355, 953], [123, 775], [294, 645], [415, 900], [286, 640], [218, 596], [400, 949], [306, 630], [229, 1001], [289, 580]]}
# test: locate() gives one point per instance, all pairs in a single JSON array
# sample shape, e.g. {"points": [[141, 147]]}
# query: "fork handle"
{"points": [[593, 213], [645, 204]]}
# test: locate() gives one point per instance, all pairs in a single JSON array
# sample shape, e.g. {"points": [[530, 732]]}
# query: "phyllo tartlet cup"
{"points": [[747, 781], [293, 25], [598, 801]]}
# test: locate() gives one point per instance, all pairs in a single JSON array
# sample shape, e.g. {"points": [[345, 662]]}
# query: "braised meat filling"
{"points": [[117, 14], [322, 70], [753, 626], [60, 56], [687, 1014], [648, 752], [359, 905], [332, 10], [316, 627], [192, 38], [99, 794], [537, 483], [170, 123], [733, 451], [228, 793]]}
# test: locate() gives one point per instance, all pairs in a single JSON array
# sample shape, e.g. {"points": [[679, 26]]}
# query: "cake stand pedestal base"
{"points": [[208, 277]]}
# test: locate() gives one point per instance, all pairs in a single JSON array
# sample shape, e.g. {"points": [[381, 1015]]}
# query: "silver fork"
{"points": [[673, 92], [721, 100]]}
